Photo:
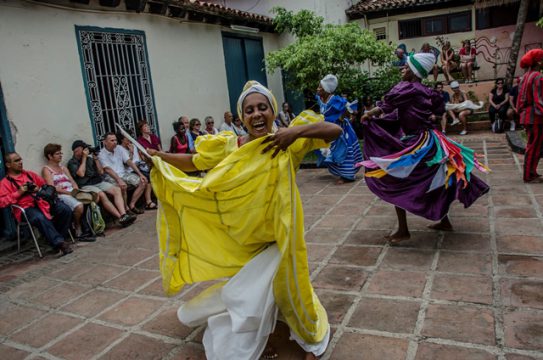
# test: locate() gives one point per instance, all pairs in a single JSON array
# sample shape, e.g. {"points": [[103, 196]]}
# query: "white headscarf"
{"points": [[253, 86], [421, 64], [329, 83]]}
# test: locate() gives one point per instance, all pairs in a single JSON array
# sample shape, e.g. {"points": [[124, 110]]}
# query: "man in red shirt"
{"points": [[530, 109], [19, 187]]}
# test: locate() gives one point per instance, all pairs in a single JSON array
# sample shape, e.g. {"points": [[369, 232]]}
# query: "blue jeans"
{"points": [[56, 230]]}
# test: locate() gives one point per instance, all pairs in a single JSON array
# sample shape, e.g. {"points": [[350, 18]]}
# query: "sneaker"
{"points": [[455, 121], [137, 211], [443, 132], [65, 249], [86, 237], [463, 132], [126, 220]]}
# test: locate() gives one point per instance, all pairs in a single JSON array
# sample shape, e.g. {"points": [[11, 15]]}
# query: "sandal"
{"points": [[270, 353], [150, 206]]}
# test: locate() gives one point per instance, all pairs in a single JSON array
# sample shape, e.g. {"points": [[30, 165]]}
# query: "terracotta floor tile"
{"points": [[336, 305], [466, 242], [134, 346], [522, 293], [475, 289], [132, 280], [93, 303], [45, 330], [355, 255], [9, 353], [368, 347], [385, 315], [429, 351], [460, 323], [13, 316], [523, 330], [397, 283], [367, 237], [166, 323], [520, 244], [131, 311], [464, 263], [340, 278], [408, 259], [521, 265]]}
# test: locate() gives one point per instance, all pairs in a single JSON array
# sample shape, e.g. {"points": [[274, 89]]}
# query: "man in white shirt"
{"points": [[113, 160], [227, 125]]}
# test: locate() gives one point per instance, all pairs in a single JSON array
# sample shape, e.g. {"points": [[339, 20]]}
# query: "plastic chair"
{"points": [[24, 222]]}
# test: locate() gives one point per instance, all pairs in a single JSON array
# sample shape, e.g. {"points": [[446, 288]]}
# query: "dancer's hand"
{"points": [[281, 140], [365, 117]]}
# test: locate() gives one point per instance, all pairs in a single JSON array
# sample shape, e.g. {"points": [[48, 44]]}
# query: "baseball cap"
{"points": [[77, 144]]}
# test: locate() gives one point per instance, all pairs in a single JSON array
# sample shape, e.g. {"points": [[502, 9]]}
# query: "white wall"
{"points": [[40, 72]]}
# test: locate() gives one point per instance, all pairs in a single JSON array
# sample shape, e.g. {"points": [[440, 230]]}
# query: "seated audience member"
{"points": [[285, 115], [228, 124], [401, 60], [147, 139], [459, 115], [467, 60], [426, 48], [238, 127], [179, 143], [194, 127], [20, 187], [446, 99], [210, 126], [134, 155], [512, 112], [58, 176], [186, 124], [498, 100], [447, 61], [114, 159], [87, 171]]}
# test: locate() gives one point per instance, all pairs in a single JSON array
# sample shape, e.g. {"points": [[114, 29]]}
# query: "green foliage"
{"points": [[342, 50], [540, 22]]}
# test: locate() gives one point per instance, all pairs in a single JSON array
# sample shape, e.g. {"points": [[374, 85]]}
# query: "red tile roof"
{"points": [[227, 11], [369, 6]]}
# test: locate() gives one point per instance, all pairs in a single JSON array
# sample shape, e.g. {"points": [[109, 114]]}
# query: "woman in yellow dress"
{"points": [[242, 222]]}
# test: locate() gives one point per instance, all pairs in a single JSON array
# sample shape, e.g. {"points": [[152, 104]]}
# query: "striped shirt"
{"points": [[530, 98]]}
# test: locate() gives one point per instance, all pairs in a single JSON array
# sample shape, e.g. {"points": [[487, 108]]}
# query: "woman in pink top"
{"points": [[147, 139], [58, 176], [179, 143]]}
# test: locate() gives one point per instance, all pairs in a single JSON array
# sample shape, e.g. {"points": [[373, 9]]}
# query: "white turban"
{"points": [[329, 83], [421, 64], [253, 86]]}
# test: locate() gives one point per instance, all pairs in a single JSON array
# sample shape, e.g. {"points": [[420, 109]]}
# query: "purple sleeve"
{"points": [[399, 96]]}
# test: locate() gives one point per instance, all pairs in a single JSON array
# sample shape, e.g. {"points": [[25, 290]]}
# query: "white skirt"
{"points": [[241, 313]]}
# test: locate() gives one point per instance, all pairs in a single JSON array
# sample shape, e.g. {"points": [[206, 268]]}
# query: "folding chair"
{"points": [[24, 222]]}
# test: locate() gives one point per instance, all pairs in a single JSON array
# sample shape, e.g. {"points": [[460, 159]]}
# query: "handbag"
{"points": [[85, 196]]}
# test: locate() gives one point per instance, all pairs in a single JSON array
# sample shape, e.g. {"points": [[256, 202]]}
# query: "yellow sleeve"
{"points": [[304, 145], [212, 149]]}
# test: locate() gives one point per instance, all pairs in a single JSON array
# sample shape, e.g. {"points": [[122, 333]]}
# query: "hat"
{"points": [[421, 64], [531, 58], [329, 83], [454, 85], [77, 144], [251, 87]]}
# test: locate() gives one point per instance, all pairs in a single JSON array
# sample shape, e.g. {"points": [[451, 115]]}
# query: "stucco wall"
{"points": [[497, 48], [40, 72]]}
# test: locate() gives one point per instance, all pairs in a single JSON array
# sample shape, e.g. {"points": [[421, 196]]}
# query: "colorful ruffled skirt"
{"points": [[423, 173]]}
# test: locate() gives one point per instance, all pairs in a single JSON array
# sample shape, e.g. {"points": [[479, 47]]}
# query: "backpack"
{"points": [[498, 125], [94, 220]]}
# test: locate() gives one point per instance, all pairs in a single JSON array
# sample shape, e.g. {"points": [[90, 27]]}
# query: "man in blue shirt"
{"points": [[402, 58]]}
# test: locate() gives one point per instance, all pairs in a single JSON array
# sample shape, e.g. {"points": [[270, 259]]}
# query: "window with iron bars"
{"points": [[117, 79]]}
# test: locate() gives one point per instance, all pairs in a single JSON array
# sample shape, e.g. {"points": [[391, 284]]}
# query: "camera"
{"points": [[93, 150], [30, 186]]}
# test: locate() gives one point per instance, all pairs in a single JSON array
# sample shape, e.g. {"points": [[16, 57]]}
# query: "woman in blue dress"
{"points": [[344, 152]]}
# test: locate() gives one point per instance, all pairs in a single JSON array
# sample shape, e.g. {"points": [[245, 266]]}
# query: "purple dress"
{"points": [[407, 161]]}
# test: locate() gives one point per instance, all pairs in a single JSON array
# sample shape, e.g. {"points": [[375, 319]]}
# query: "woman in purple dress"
{"points": [[410, 164]]}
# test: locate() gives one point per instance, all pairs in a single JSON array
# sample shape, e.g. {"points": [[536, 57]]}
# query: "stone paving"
{"points": [[476, 293]]}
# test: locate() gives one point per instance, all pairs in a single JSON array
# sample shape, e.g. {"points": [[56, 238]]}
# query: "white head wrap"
{"points": [[253, 86], [421, 64], [454, 84], [329, 83]]}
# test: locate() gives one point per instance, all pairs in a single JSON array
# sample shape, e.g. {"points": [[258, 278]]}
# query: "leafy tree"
{"points": [[540, 22], [320, 49]]}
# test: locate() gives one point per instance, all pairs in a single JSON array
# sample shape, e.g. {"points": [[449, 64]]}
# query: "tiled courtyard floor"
{"points": [[476, 293]]}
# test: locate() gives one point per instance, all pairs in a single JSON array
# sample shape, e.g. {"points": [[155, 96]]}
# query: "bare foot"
{"points": [[310, 356], [398, 237], [269, 352], [442, 225]]}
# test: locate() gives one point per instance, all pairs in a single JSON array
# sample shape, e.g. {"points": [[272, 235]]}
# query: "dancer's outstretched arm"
{"points": [[181, 161]]}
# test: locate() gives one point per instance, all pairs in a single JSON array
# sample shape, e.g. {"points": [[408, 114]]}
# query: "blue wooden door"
{"points": [[244, 60], [7, 226]]}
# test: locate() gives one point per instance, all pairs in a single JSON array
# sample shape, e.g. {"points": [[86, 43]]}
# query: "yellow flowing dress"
{"points": [[210, 227]]}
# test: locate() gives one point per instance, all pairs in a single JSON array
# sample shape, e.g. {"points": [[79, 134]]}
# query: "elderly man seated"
{"points": [[20, 187], [87, 172], [114, 159]]}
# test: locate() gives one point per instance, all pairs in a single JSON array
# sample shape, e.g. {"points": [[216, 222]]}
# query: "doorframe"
{"points": [[8, 145]]}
